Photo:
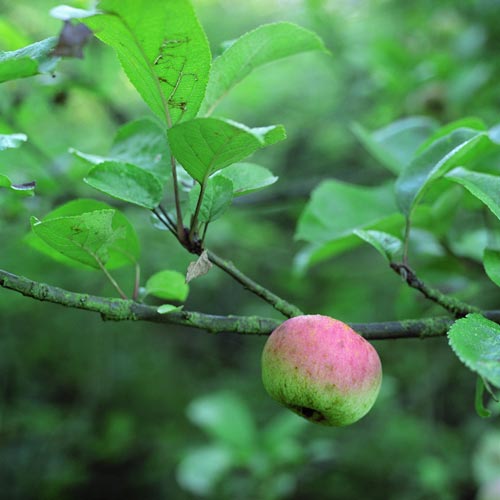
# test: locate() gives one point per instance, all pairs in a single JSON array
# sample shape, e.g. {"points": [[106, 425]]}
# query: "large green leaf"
{"points": [[163, 50], [205, 145], [263, 45], [216, 199], [168, 285], [123, 251], [248, 177], [142, 143], [28, 61], [394, 146], [85, 238], [8, 141], [335, 210], [485, 187], [126, 182], [476, 341], [435, 161]]}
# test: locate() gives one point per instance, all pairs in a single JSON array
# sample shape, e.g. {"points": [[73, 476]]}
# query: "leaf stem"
{"points": [[194, 220], [110, 278]]}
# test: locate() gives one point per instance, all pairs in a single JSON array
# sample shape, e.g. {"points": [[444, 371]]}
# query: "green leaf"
{"points": [[168, 308], [248, 177], [335, 210], [26, 189], [263, 45], [205, 145], [431, 164], [142, 143], [122, 252], [8, 141], [491, 262], [476, 342], [126, 182], [216, 199], [225, 417], [485, 187], [168, 285], [387, 245], [394, 146], [85, 238], [28, 61], [163, 50], [478, 400]]}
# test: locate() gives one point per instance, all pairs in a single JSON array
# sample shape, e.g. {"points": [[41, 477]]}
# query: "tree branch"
{"points": [[452, 305], [128, 310], [281, 305]]}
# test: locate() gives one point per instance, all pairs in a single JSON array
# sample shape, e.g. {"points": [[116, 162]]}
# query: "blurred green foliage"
{"points": [[97, 410]]}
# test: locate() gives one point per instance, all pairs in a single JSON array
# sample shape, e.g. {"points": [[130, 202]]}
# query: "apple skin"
{"points": [[321, 369]]}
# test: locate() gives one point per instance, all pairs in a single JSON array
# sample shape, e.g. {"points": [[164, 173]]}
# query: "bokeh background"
{"points": [[99, 410]]}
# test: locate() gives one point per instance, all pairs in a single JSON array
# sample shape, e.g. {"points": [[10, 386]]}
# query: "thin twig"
{"points": [[194, 220], [277, 302], [451, 304], [111, 279]]}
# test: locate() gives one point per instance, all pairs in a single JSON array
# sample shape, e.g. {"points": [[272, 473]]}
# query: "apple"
{"points": [[321, 369]]}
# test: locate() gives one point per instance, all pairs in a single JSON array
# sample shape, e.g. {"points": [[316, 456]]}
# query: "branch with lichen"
{"points": [[450, 304], [129, 310]]}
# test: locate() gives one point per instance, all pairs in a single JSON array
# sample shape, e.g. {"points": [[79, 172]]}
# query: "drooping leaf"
{"points": [[28, 61], [26, 189], [216, 199], [491, 262], [168, 285], [121, 252], [85, 238], [142, 143], [485, 187], [205, 145], [394, 146], [387, 245], [263, 45], [162, 49], [435, 161], [248, 177], [126, 182], [8, 141], [476, 342], [199, 267], [335, 210], [478, 400]]}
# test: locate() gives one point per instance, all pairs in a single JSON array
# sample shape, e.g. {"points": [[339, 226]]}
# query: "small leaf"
{"points": [[126, 182], [435, 161], [122, 252], [491, 262], [168, 285], [168, 308], [199, 267], [216, 199], [28, 61], [248, 177], [8, 141], [394, 146], [205, 145], [163, 50], [26, 189], [387, 245], [478, 400], [476, 342], [85, 238], [485, 187], [263, 45]]}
